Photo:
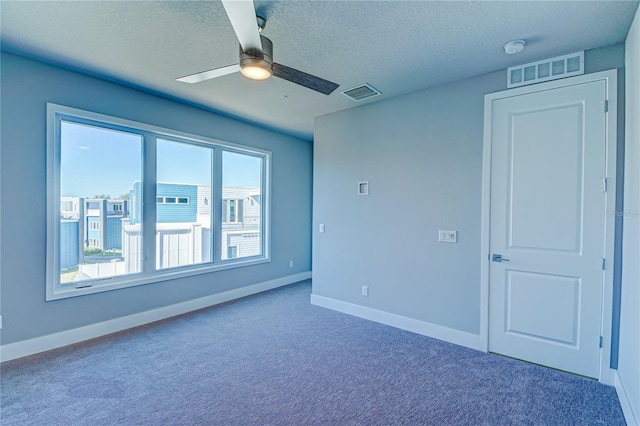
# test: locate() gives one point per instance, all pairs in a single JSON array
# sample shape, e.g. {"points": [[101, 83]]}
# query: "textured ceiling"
{"points": [[396, 46]]}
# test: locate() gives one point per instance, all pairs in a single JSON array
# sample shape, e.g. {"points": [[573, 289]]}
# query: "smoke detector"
{"points": [[513, 47]]}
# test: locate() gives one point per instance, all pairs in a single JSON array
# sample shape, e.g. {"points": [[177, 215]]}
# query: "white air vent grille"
{"points": [[361, 92], [548, 69]]}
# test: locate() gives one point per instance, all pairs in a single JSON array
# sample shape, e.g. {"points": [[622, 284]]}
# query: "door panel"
{"points": [[543, 164], [528, 295], [548, 221]]}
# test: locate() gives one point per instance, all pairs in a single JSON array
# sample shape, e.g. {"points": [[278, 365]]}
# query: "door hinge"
{"points": [[605, 106], [602, 263], [600, 344], [604, 184]]}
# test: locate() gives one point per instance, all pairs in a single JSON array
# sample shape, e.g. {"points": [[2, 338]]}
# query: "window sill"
{"points": [[132, 280]]}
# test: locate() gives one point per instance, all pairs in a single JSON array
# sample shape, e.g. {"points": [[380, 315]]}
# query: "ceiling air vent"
{"points": [[545, 70], [361, 92]]}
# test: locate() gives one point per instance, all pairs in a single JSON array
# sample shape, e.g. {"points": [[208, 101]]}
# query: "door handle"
{"points": [[498, 258]]}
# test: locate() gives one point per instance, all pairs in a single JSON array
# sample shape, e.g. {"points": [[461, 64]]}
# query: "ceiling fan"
{"points": [[256, 53]]}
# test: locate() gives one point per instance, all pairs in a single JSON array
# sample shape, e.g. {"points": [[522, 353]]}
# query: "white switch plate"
{"points": [[291, 264], [321, 227], [447, 236]]}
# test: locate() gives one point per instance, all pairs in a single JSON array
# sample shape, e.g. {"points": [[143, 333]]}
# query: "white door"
{"points": [[548, 163]]}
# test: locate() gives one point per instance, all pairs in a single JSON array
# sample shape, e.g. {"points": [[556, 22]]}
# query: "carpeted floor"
{"points": [[274, 359]]}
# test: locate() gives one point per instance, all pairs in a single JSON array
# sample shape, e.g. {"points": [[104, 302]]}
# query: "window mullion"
{"points": [[265, 225], [216, 212], [149, 261]]}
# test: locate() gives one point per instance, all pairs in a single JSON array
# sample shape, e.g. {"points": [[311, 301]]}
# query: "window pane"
{"points": [[232, 210], [97, 236], [241, 205], [183, 221]]}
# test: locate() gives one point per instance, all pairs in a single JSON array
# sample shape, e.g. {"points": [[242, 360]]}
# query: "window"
{"points": [[205, 217], [232, 210], [242, 181], [174, 200], [184, 231], [86, 150]]}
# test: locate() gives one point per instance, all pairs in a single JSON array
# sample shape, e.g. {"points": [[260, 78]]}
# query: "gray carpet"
{"points": [[274, 359]]}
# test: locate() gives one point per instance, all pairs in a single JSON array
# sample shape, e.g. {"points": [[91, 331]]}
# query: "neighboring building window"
{"points": [[91, 154], [172, 200], [232, 210]]}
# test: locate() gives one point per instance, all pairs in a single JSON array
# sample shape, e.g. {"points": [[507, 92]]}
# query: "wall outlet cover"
{"points": [[447, 236]]}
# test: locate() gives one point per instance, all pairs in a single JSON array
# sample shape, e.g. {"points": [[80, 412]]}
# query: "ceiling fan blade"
{"points": [[242, 14], [207, 75], [303, 79]]}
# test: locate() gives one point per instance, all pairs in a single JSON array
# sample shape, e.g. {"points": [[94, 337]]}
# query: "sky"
{"points": [[96, 161]]}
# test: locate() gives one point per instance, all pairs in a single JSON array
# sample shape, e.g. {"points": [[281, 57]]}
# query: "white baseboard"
{"points": [[630, 415], [68, 337], [462, 338]]}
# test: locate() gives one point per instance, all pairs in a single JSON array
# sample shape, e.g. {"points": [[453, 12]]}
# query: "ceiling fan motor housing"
{"points": [[257, 58]]}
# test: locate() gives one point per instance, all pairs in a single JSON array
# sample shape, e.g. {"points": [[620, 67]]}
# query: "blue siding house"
{"points": [[113, 233], [176, 203], [69, 238]]}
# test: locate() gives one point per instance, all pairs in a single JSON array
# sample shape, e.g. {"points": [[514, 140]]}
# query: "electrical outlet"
{"points": [[447, 236], [291, 264], [365, 290], [321, 227]]}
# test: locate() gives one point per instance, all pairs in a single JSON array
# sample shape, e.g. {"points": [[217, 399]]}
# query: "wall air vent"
{"points": [[362, 92], [545, 70]]}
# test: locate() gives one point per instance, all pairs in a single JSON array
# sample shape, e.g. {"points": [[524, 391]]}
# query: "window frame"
{"points": [[150, 134]]}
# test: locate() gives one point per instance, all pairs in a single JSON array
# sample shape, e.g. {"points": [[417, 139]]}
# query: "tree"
{"points": [[124, 196]]}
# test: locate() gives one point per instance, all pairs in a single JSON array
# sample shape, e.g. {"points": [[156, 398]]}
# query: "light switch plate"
{"points": [[447, 236]]}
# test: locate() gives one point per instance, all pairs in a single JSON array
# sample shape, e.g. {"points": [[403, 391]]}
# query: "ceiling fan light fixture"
{"points": [[256, 70], [257, 65]]}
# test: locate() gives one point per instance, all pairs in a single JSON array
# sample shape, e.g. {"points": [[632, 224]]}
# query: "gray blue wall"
{"points": [[26, 87], [629, 358], [422, 156]]}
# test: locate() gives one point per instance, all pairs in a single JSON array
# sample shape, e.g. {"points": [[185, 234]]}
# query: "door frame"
{"points": [[610, 78]]}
